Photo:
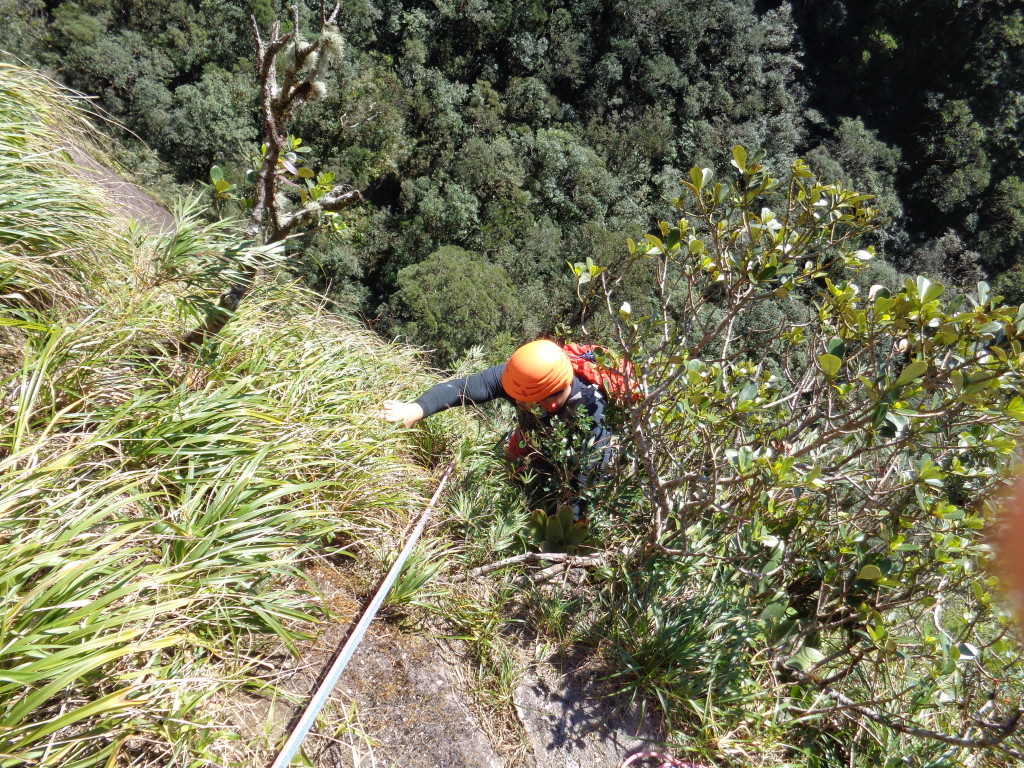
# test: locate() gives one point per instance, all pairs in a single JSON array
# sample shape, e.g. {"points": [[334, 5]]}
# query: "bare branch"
{"points": [[332, 19], [333, 201], [999, 731], [539, 557], [277, 105]]}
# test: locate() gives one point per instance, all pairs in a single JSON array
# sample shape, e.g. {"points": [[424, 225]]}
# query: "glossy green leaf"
{"points": [[806, 659], [830, 364], [565, 517], [748, 392], [700, 177], [913, 371], [739, 157], [870, 573], [554, 532], [577, 533]]}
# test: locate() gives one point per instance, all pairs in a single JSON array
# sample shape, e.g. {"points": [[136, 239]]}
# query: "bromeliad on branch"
{"points": [[272, 219]]}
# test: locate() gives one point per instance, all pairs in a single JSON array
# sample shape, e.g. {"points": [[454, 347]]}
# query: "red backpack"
{"points": [[618, 383]]}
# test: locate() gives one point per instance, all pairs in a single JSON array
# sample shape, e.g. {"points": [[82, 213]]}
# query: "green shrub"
{"points": [[453, 300], [827, 465]]}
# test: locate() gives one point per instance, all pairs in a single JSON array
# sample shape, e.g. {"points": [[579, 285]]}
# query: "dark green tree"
{"points": [[453, 300]]}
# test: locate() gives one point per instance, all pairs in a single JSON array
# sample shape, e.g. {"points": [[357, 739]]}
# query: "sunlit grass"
{"points": [[155, 515], [150, 516]]}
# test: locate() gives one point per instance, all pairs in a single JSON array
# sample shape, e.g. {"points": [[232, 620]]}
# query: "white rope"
{"points": [[302, 727]]}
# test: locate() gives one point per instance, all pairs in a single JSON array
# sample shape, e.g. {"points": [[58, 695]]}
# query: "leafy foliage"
{"points": [[947, 105], [821, 432], [476, 129], [835, 478], [453, 300], [511, 130]]}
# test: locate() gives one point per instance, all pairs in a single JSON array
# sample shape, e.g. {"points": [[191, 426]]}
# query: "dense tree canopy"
{"points": [[941, 80], [512, 130]]}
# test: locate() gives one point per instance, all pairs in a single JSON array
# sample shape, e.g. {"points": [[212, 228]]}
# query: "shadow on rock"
{"points": [[572, 721]]}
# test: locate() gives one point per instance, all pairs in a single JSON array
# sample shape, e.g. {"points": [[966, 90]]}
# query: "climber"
{"points": [[539, 379]]}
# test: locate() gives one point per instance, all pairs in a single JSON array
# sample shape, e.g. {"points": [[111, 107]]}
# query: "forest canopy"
{"points": [[531, 134]]}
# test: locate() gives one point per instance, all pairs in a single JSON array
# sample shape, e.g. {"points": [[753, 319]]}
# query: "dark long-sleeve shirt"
{"points": [[586, 401], [475, 389]]}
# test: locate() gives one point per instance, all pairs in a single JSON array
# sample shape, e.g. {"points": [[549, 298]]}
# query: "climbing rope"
{"points": [[666, 761], [305, 722]]}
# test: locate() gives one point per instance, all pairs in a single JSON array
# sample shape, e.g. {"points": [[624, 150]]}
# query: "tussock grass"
{"points": [[155, 517], [45, 211]]}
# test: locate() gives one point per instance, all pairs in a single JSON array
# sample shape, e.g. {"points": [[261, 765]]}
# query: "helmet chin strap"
{"points": [[550, 404]]}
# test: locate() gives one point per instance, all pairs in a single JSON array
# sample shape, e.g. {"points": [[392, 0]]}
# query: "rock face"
{"points": [[125, 198], [397, 704], [403, 701], [410, 703], [572, 724]]}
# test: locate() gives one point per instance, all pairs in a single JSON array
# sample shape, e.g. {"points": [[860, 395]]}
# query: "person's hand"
{"points": [[406, 413]]}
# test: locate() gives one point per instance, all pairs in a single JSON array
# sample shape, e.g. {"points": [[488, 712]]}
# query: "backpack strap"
{"points": [[614, 383]]}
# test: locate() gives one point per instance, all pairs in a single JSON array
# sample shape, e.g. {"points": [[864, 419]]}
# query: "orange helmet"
{"points": [[536, 370]]}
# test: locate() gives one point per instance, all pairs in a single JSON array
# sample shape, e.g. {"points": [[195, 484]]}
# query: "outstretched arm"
{"points": [[478, 388], [471, 390]]}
